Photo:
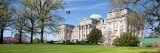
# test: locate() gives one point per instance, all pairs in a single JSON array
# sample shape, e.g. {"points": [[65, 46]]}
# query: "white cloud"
{"points": [[96, 6]]}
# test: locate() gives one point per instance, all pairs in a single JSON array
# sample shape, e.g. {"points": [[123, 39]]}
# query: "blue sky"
{"points": [[79, 9]]}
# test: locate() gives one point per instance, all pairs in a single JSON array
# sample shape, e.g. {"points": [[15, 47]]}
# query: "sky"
{"points": [[79, 9]]}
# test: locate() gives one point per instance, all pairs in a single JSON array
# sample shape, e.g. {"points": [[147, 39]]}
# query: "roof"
{"points": [[96, 16]]}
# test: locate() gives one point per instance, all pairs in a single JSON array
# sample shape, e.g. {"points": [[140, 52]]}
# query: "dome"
{"points": [[96, 16]]}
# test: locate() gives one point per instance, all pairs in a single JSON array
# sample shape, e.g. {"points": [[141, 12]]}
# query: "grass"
{"points": [[49, 48]]}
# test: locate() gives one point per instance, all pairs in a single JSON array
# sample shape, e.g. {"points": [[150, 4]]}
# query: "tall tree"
{"points": [[149, 9], [19, 23], [29, 20], [6, 18], [31, 25], [45, 11]]}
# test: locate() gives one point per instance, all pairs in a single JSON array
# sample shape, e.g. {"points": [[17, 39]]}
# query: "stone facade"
{"points": [[80, 31], [65, 32], [111, 27]]}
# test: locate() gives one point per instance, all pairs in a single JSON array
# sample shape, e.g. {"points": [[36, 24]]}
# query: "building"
{"points": [[65, 31], [117, 22], [80, 31]]}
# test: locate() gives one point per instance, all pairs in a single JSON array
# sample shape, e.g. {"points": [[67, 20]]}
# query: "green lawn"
{"points": [[44, 48]]}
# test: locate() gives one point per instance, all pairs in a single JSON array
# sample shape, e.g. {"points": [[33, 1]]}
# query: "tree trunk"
{"points": [[1, 37], [32, 34], [42, 31], [20, 35], [42, 35]]}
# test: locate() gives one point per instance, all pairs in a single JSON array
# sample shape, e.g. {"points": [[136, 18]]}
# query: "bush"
{"points": [[154, 44], [36, 41], [94, 36], [50, 42], [74, 43], [68, 42], [116, 42], [82, 42], [126, 39], [147, 45]]}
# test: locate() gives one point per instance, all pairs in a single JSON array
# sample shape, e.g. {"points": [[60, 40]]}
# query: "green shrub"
{"points": [[154, 44], [126, 39], [94, 36], [36, 40], [147, 45], [50, 42], [82, 42]]}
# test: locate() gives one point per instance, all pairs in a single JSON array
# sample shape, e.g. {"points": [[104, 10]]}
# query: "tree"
{"points": [[149, 9], [31, 27], [126, 39], [44, 9], [19, 23], [94, 36], [25, 21], [6, 13]]}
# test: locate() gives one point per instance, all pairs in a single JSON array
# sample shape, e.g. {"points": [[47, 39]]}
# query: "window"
{"points": [[115, 32], [116, 24], [122, 26]]}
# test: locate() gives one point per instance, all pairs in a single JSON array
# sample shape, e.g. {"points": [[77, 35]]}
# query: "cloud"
{"points": [[96, 6]]}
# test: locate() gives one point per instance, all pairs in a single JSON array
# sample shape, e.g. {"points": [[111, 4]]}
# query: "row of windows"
{"points": [[61, 36]]}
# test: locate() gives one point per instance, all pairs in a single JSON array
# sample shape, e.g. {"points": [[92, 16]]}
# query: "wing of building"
{"points": [[118, 21]]}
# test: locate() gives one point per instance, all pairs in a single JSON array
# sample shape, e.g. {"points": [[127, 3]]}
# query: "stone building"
{"points": [[116, 23], [80, 32], [65, 32]]}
